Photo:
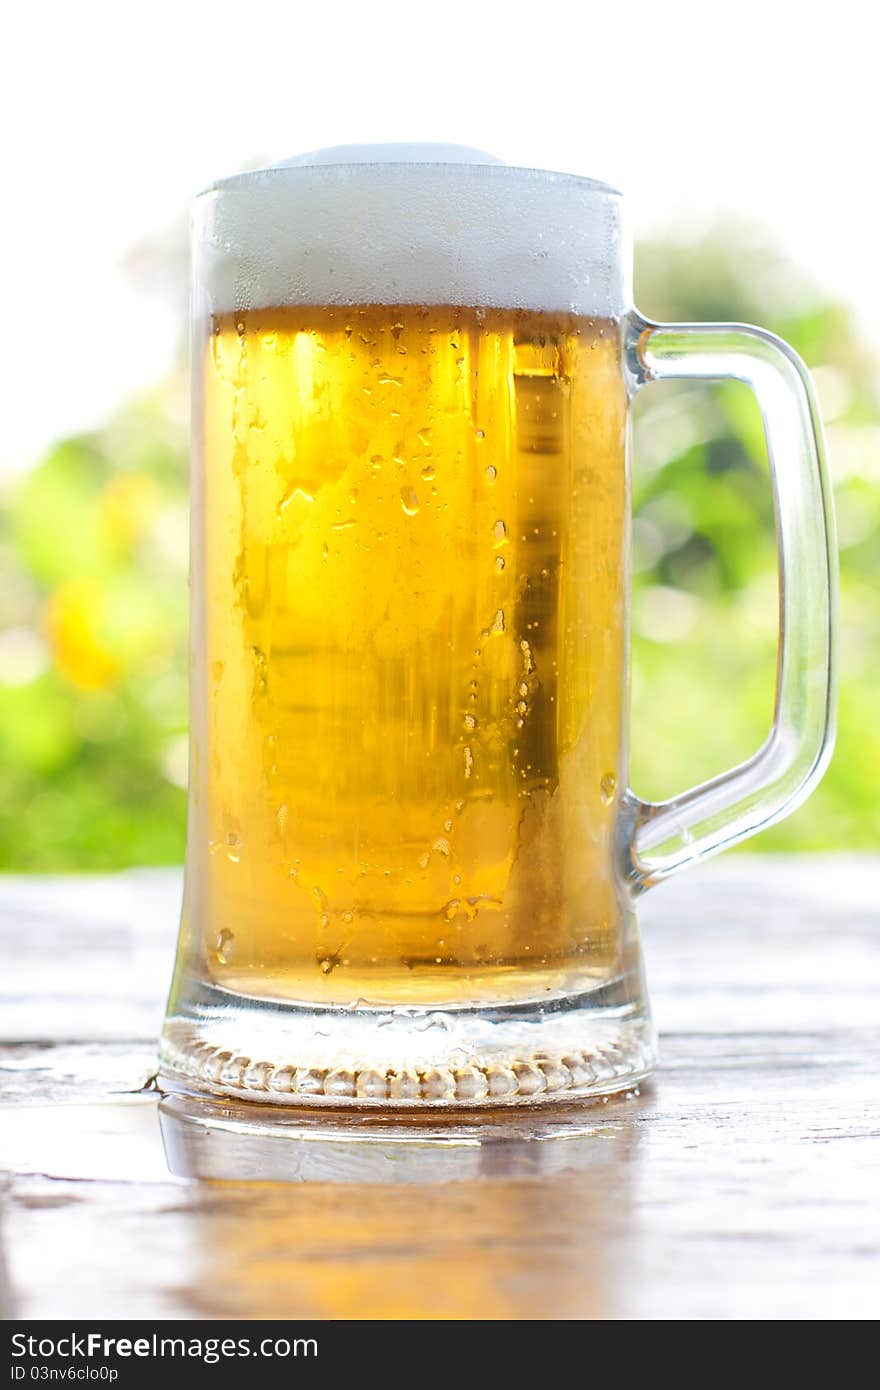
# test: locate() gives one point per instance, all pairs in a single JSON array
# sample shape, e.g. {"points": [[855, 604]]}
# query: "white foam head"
{"points": [[410, 224]]}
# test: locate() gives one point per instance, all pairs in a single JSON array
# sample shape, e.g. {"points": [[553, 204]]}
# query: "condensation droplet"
{"points": [[225, 943], [429, 472], [607, 788], [441, 846], [409, 500], [498, 622], [470, 722], [283, 817], [447, 826], [424, 861], [468, 761], [294, 493], [499, 530], [491, 473], [325, 551], [479, 434], [233, 847], [499, 563]]}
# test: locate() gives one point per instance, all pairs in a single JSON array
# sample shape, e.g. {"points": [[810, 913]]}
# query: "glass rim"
{"points": [[244, 177]]}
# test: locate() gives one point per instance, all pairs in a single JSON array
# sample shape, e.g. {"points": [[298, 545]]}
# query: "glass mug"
{"points": [[412, 858]]}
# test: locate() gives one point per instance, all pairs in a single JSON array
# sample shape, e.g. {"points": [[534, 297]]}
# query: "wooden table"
{"points": [[742, 1184]]}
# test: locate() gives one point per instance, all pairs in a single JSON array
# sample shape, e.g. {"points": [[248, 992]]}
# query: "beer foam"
{"points": [[403, 224]]}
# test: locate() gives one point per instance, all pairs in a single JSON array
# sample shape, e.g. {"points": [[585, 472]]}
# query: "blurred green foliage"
{"points": [[93, 589]]}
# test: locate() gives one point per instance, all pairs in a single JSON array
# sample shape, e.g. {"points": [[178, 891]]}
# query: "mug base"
{"points": [[573, 1047]]}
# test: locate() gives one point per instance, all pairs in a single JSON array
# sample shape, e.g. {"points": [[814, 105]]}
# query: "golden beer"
{"points": [[413, 534]]}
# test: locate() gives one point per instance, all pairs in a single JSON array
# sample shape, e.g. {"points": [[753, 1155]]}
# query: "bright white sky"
{"points": [[114, 114]]}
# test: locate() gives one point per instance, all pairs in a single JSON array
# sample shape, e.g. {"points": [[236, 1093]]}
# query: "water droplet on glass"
{"points": [[470, 722], [498, 622], [491, 473], [499, 563], [468, 761], [409, 500], [441, 846], [479, 434], [294, 493], [424, 861], [447, 826], [429, 472], [499, 530], [607, 788], [225, 943], [233, 847]]}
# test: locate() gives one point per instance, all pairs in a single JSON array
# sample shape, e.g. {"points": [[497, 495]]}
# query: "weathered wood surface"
{"points": [[745, 1183]]}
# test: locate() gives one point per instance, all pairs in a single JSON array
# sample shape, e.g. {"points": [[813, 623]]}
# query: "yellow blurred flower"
{"points": [[73, 626], [128, 505]]}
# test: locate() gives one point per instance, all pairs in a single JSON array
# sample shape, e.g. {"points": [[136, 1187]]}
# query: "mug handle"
{"points": [[663, 837]]}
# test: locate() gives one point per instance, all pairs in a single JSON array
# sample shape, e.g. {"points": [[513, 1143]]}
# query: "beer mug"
{"points": [[412, 857]]}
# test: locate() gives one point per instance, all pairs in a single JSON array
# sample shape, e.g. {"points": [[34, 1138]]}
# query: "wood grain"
{"points": [[741, 1184]]}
